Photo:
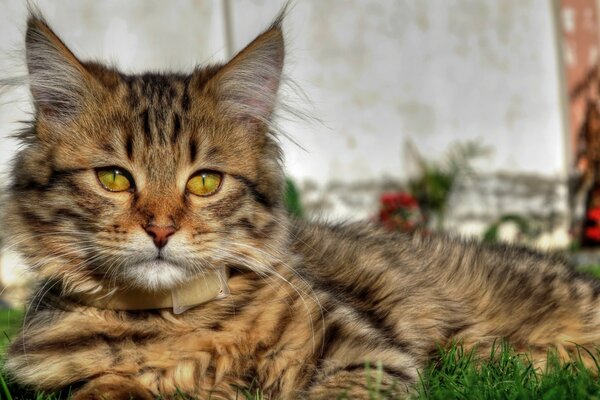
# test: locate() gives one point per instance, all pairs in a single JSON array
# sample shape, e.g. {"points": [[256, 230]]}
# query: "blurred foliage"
{"points": [[526, 229], [291, 199], [591, 269], [435, 180], [574, 245], [10, 323]]}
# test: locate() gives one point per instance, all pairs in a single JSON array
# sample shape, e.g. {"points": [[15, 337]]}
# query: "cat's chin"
{"points": [[155, 275]]}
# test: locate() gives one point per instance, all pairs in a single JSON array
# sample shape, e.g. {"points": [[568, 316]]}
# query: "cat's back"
{"points": [[424, 289], [363, 246]]}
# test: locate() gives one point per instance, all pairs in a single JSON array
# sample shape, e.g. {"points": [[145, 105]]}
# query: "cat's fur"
{"points": [[310, 304]]}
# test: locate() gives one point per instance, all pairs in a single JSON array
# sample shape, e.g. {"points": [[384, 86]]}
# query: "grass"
{"points": [[456, 374], [593, 270]]}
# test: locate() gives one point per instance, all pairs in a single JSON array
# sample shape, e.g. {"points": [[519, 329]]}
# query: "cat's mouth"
{"points": [[158, 273], [159, 262]]}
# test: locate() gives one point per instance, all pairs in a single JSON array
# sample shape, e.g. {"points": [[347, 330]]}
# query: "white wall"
{"points": [[377, 73], [433, 71]]}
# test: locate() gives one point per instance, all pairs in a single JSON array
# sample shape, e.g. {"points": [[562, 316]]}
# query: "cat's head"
{"points": [[146, 180]]}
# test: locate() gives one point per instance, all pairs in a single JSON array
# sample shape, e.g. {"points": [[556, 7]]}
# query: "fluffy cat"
{"points": [[130, 190]]}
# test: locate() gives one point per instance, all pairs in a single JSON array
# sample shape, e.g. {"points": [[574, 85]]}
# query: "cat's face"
{"points": [[147, 180]]}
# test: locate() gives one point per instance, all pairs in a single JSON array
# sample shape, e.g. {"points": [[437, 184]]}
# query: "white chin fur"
{"points": [[154, 275]]}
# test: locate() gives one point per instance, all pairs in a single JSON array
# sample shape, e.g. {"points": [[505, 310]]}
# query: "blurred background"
{"points": [[472, 116]]}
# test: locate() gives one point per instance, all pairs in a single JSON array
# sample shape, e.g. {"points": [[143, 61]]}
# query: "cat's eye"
{"points": [[204, 183], [114, 179]]}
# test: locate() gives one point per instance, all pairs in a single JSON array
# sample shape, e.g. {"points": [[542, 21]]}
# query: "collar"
{"points": [[205, 287]]}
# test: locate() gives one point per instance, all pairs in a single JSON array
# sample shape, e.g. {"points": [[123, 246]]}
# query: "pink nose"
{"points": [[160, 234]]}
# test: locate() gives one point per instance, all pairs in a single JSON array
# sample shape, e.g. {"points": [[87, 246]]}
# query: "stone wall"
{"points": [[473, 206]]}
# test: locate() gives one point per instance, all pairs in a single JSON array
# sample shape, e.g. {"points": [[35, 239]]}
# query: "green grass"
{"points": [[509, 376], [10, 321], [456, 374], [593, 270]]}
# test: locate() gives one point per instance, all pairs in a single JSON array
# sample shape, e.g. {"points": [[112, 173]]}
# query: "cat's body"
{"points": [[346, 295], [310, 304]]}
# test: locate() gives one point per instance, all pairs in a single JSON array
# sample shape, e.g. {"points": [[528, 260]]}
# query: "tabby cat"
{"points": [[150, 207]]}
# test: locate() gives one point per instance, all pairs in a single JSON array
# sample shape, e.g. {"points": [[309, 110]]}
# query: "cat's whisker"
{"points": [[278, 260], [252, 264]]}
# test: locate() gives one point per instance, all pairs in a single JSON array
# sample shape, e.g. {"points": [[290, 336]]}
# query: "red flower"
{"points": [[398, 199], [594, 214], [593, 233], [400, 211]]}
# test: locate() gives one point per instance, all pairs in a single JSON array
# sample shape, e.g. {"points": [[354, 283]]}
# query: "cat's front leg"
{"points": [[112, 387]]}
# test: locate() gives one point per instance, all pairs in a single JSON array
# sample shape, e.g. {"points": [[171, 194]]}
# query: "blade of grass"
{"points": [[5, 388]]}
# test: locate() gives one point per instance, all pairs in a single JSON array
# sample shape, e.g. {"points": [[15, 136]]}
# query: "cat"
{"points": [[150, 208]]}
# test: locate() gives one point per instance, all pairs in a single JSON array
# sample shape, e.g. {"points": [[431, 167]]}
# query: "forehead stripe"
{"points": [[129, 146], [146, 126], [176, 128], [193, 149], [259, 197]]}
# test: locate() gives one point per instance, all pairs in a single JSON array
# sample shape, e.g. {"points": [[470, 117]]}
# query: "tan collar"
{"points": [[204, 288]]}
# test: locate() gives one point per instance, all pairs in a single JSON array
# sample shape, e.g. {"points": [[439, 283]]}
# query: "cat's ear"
{"points": [[58, 81], [246, 87]]}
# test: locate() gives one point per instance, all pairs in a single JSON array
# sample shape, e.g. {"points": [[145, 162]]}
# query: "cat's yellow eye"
{"points": [[204, 183], [114, 179]]}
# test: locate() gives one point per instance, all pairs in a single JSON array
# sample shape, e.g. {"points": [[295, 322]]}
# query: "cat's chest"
{"points": [[266, 340], [263, 337], [253, 338], [267, 348]]}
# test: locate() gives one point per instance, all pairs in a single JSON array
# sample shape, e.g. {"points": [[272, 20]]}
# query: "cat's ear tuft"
{"points": [[58, 80], [246, 87]]}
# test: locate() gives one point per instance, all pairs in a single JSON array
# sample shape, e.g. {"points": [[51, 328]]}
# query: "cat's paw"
{"points": [[112, 387]]}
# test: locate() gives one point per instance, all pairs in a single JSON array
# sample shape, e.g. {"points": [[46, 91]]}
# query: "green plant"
{"points": [[526, 230], [435, 180], [291, 199], [593, 270]]}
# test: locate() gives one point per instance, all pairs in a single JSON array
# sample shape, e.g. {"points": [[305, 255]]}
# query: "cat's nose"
{"points": [[160, 234]]}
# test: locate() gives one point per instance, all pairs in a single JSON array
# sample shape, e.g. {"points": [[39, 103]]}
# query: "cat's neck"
{"points": [[203, 288]]}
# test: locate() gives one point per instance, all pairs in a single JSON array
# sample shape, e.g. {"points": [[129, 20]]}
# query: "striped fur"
{"points": [[310, 303]]}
